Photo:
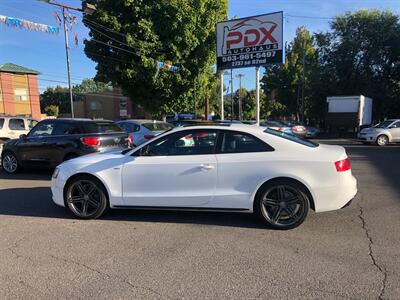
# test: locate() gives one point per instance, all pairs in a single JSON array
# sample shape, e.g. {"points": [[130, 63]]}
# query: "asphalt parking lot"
{"points": [[353, 253]]}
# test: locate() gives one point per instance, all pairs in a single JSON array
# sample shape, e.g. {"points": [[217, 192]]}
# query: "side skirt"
{"points": [[216, 209]]}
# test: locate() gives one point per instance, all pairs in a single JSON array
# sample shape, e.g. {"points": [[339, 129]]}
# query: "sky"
{"points": [[46, 52]]}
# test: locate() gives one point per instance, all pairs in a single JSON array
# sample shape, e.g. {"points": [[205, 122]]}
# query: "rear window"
{"points": [[1, 123], [291, 137], [159, 126], [102, 127]]}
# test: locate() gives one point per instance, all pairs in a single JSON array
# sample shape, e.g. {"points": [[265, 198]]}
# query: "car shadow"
{"points": [[37, 202], [32, 174]]}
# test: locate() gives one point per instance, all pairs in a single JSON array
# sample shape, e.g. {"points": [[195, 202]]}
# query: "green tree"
{"points": [[59, 96], [128, 37], [361, 55], [287, 83], [51, 110]]}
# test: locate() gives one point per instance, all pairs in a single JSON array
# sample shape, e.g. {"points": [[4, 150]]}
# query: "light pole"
{"points": [[240, 95], [88, 9]]}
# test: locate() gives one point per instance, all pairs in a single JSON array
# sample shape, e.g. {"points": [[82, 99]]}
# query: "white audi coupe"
{"points": [[242, 168]]}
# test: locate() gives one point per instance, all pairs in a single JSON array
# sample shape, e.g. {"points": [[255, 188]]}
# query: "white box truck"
{"points": [[348, 113]]}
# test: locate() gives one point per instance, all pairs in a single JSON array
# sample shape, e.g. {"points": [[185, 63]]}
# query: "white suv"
{"points": [[13, 127]]}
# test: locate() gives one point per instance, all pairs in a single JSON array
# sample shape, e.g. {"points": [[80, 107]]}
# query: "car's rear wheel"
{"points": [[9, 163], [282, 204], [382, 140], [86, 197]]}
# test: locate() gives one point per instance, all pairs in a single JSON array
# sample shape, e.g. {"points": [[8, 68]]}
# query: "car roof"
{"points": [[238, 127], [17, 117], [141, 121], [79, 120]]}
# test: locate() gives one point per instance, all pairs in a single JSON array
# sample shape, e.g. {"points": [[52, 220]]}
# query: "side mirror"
{"points": [[23, 136]]}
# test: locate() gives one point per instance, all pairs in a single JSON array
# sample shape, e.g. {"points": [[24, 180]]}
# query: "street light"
{"points": [[88, 9]]}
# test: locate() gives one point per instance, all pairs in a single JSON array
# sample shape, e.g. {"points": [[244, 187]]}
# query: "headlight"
{"points": [[55, 173]]}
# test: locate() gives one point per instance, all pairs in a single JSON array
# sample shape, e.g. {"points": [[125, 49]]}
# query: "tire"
{"points": [[282, 204], [86, 197], [10, 163], [382, 140]]}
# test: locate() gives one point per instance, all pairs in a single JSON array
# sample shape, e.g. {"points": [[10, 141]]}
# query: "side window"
{"points": [[397, 124], [16, 124], [67, 128], [42, 129], [31, 123], [193, 142], [239, 142], [1, 123]]}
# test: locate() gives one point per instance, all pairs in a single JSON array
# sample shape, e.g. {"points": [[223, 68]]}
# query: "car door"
{"points": [[242, 165], [176, 170], [395, 131], [33, 149]]}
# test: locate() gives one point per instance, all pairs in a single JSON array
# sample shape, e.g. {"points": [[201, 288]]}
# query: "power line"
{"points": [[115, 40], [310, 17], [113, 46]]}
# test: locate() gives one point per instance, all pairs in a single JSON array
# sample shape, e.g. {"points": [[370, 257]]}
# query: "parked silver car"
{"points": [[382, 134], [141, 131]]}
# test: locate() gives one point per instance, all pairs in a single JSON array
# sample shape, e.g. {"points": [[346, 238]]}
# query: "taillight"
{"points": [[343, 165], [149, 136], [294, 128], [91, 141], [130, 139]]}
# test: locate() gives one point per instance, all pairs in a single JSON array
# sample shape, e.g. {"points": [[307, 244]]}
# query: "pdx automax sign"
{"points": [[251, 41]]}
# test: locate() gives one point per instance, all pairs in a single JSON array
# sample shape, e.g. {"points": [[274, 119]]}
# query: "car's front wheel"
{"points": [[382, 140], [9, 163], [282, 204], [86, 197]]}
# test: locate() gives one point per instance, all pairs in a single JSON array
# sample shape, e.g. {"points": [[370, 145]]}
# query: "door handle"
{"points": [[206, 167]]}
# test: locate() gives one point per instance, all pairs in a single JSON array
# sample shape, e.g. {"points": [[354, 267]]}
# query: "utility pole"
{"points": [[222, 94], [88, 9], [231, 94], [240, 95], [303, 83]]}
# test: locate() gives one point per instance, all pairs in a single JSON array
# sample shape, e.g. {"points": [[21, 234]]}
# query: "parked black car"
{"points": [[53, 141]]}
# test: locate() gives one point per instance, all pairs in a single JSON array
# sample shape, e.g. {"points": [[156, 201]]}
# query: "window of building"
{"points": [[16, 124], [1, 95], [21, 94]]}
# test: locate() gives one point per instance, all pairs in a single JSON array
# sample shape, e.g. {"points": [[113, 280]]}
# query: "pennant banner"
{"points": [[21, 23]]}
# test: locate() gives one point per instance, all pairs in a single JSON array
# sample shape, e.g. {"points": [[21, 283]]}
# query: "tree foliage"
{"points": [[135, 34], [59, 96], [52, 110], [284, 84], [359, 55]]}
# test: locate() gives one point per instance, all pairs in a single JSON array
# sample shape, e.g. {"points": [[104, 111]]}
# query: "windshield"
{"points": [[158, 126], [291, 137], [383, 124]]}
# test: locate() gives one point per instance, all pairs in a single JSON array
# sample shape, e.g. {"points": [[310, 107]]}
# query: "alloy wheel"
{"points": [[10, 163], [382, 140], [283, 206], [84, 198]]}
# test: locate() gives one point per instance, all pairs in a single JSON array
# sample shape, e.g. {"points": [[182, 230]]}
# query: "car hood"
{"points": [[94, 159]]}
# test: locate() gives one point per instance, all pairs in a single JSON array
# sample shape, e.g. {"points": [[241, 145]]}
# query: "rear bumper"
{"points": [[336, 197]]}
